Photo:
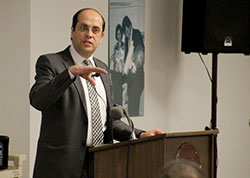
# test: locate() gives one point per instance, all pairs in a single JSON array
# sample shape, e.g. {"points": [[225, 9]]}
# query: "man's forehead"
{"points": [[89, 15]]}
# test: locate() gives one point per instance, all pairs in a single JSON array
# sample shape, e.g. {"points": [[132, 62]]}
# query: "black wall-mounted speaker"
{"points": [[4, 152], [216, 26]]}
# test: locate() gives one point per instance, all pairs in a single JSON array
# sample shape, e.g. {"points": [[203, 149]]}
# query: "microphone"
{"points": [[95, 75], [116, 113]]}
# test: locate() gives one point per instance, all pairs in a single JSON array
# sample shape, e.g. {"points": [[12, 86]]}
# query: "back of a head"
{"points": [[181, 169]]}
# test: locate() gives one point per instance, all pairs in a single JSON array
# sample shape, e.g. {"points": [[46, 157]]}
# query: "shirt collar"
{"points": [[77, 57]]}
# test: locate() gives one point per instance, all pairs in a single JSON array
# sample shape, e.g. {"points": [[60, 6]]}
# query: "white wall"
{"points": [[14, 75], [177, 88], [233, 116]]}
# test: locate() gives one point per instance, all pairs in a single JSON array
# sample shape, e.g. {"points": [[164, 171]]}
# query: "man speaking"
{"points": [[74, 105]]}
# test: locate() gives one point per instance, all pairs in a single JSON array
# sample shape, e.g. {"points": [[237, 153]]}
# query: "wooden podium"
{"points": [[143, 158]]}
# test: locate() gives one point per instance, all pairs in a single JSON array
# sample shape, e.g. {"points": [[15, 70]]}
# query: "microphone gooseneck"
{"points": [[117, 112], [131, 124]]}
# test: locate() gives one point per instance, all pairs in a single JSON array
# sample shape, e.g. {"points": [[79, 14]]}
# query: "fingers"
{"points": [[94, 69], [157, 132], [84, 71], [91, 80], [151, 133], [87, 70]]}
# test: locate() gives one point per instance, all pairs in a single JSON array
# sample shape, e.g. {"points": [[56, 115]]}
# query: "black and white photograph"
{"points": [[127, 54]]}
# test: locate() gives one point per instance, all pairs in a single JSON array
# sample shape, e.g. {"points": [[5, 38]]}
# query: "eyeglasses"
{"points": [[85, 28]]}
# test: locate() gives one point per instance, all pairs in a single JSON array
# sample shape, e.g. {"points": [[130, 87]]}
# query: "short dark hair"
{"points": [[75, 18], [126, 22], [118, 27]]}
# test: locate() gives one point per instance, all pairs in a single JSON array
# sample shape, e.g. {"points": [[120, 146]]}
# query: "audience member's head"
{"points": [[182, 169]]}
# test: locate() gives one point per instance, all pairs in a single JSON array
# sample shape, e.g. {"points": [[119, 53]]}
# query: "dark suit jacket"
{"points": [[62, 142]]}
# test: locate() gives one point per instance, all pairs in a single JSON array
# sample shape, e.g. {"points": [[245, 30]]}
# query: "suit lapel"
{"points": [[68, 61]]}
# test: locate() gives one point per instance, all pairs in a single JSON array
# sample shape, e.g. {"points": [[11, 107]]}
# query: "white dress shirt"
{"points": [[78, 59]]}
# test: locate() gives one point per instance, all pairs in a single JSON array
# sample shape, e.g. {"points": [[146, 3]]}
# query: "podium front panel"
{"points": [[111, 163], [146, 158], [143, 158], [202, 153]]}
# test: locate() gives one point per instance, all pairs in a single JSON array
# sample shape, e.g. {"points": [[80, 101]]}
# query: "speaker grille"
{"points": [[227, 25], [216, 26]]}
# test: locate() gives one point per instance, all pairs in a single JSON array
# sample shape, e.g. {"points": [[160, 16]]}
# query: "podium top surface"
{"points": [[165, 135]]}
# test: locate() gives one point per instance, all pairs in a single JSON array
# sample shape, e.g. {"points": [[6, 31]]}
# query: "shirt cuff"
{"points": [[71, 75]]}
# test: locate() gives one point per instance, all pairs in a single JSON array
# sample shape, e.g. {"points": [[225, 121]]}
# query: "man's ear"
{"points": [[72, 30], [102, 36]]}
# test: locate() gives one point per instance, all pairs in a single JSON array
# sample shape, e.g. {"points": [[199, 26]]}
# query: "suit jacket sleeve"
{"points": [[50, 83], [122, 131]]}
